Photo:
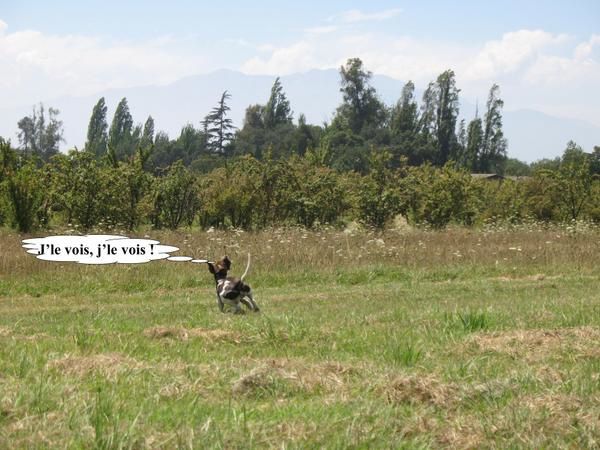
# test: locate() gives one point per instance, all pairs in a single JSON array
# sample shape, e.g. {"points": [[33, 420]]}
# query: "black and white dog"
{"points": [[232, 291]]}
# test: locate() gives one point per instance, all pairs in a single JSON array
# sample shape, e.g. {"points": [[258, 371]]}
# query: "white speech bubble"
{"points": [[100, 249]]}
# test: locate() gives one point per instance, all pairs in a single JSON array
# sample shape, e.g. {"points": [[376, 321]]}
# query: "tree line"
{"points": [[371, 163]]}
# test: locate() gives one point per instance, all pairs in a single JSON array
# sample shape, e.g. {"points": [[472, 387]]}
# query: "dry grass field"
{"points": [[407, 339]]}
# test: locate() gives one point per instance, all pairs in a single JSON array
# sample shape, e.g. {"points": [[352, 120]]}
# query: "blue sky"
{"points": [[268, 20], [544, 54]]}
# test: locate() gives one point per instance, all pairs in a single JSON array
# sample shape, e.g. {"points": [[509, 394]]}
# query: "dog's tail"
{"points": [[247, 268]]}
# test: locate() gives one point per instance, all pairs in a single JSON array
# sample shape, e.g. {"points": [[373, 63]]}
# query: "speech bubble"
{"points": [[100, 249]]}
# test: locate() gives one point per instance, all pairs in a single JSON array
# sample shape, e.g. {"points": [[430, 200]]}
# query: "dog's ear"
{"points": [[211, 268]]}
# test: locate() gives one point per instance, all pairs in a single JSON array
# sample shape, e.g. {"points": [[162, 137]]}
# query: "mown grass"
{"points": [[409, 339]]}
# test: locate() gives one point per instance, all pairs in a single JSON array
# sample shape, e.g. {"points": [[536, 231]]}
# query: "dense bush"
{"points": [[81, 190]]}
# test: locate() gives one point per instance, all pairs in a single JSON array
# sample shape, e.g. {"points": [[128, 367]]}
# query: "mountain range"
{"points": [[531, 135]]}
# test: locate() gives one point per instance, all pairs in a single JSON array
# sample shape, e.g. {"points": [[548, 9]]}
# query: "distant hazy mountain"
{"points": [[532, 135]]}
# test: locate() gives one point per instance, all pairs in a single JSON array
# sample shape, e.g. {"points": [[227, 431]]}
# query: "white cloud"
{"points": [[38, 66], [584, 50], [533, 67], [298, 57], [355, 15], [510, 53]]}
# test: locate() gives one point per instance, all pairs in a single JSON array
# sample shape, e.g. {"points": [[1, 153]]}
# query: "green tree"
{"points": [[218, 127], [277, 111], [516, 168], [97, 135], [125, 188], [360, 106], [26, 191], [175, 198], [405, 127], [446, 116], [147, 139], [318, 195], [120, 135], [80, 188], [439, 114], [39, 134], [405, 116], [595, 160], [379, 198], [439, 196], [574, 180], [472, 152], [494, 144]]}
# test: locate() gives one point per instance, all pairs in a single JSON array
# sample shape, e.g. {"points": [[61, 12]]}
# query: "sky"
{"points": [[545, 55]]}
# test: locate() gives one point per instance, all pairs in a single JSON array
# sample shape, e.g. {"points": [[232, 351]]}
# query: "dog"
{"points": [[232, 291]]}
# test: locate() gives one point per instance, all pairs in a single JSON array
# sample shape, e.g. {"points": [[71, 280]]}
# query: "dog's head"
{"points": [[220, 268]]}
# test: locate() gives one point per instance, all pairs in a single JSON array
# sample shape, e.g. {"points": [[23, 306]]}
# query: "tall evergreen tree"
{"points": [[277, 110], [427, 121], [439, 113], [120, 133], [218, 127], [493, 152], [472, 153], [461, 135], [148, 134], [97, 135], [405, 116], [446, 115]]}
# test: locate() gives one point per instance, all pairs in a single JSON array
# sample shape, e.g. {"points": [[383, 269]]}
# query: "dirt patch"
{"points": [[536, 345], [423, 389], [187, 333], [293, 375], [109, 364]]}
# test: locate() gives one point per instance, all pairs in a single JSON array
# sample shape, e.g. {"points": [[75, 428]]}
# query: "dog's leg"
{"points": [[248, 300], [220, 302], [238, 309]]}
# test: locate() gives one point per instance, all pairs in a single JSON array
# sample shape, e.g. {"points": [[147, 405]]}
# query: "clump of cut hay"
{"points": [[534, 345], [463, 432], [536, 277], [215, 335], [185, 333], [166, 332], [295, 374], [5, 331], [296, 430], [179, 388], [424, 389], [559, 409], [109, 364]]}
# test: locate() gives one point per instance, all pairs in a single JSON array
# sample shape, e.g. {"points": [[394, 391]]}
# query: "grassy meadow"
{"points": [[406, 339]]}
